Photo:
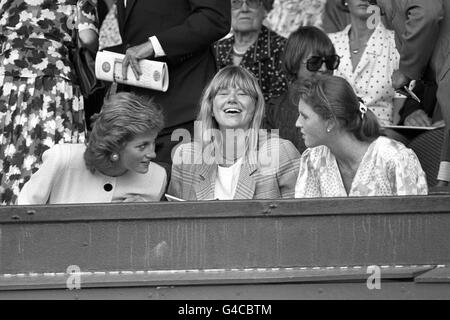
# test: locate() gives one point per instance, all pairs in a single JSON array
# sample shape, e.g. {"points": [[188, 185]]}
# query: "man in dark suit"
{"points": [[179, 32], [422, 30]]}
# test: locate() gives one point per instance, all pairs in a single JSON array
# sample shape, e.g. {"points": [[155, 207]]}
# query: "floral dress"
{"points": [[388, 168], [40, 105]]}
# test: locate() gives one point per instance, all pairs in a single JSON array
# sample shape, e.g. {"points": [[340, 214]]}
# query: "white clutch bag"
{"points": [[155, 74]]}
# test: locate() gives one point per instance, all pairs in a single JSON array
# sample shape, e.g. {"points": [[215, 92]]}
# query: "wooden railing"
{"points": [[224, 242]]}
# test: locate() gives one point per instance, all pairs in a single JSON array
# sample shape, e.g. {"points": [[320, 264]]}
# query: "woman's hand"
{"points": [[132, 57], [418, 119], [399, 80]]}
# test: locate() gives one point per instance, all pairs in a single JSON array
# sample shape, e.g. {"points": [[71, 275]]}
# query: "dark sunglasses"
{"points": [[314, 63], [252, 4]]}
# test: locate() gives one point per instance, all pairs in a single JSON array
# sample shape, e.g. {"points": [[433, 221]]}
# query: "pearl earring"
{"points": [[114, 157], [328, 130]]}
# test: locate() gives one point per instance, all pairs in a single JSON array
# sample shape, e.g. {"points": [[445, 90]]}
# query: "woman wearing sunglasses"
{"points": [[253, 46], [308, 51], [346, 155], [368, 59]]}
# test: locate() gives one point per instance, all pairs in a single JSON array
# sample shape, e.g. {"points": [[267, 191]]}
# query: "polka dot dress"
{"points": [[371, 78]]}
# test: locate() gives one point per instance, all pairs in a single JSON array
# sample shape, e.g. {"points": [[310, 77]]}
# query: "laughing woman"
{"points": [[115, 166], [233, 158], [346, 155]]}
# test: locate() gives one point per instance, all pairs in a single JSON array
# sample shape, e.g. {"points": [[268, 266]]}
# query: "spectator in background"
{"points": [[288, 15], [253, 46], [40, 101], [308, 51], [335, 18], [346, 155], [423, 113], [368, 60], [422, 34], [109, 36], [115, 166], [109, 31], [181, 33]]}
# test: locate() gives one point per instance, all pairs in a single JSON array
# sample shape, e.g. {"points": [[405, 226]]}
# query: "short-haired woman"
{"points": [[346, 155], [114, 166], [232, 158], [308, 51]]}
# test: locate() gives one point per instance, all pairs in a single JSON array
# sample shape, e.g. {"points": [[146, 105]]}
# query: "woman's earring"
{"points": [[346, 4], [114, 157], [328, 130]]}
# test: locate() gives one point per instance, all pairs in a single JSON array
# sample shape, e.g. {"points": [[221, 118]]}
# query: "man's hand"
{"points": [[132, 57], [418, 119], [399, 80]]}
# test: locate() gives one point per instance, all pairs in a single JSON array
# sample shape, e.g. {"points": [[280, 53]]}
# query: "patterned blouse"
{"points": [[388, 168], [35, 35], [263, 59]]}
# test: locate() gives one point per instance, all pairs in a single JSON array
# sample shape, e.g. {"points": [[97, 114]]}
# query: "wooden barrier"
{"points": [[225, 243]]}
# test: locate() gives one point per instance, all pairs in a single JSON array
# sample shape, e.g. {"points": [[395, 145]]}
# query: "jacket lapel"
{"points": [[128, 8], [246, 184], [120, 15], [204, 190], [371, 52]]}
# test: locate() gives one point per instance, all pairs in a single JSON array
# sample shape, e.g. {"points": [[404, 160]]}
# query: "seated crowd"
{"points": [[233, 158], [301, 117]]}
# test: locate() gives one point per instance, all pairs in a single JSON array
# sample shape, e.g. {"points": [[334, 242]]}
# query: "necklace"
{"points": [[360, 43], [238, 53], [358, 48]]}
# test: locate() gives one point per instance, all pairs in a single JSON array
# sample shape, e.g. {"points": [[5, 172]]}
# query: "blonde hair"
{"points": [[237, 78]]}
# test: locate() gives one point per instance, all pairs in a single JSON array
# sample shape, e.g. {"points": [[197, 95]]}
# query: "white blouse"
{"points": [[64, 178], [226, 181], [371, 78]]}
